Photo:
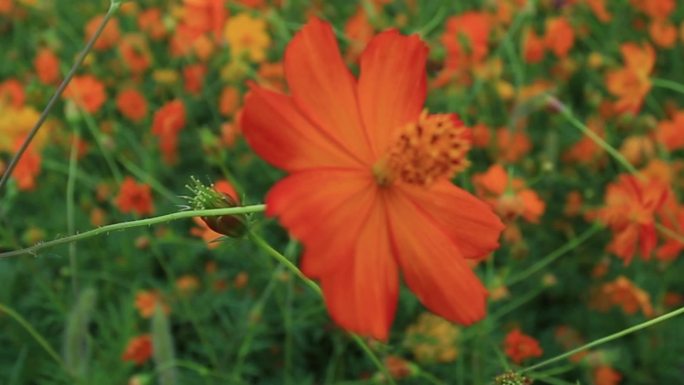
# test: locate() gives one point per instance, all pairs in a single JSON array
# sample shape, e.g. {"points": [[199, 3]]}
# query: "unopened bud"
{"points": [[206, 197]]}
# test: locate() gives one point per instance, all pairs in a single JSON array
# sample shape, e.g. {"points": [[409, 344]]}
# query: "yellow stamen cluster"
{"points": [[430, 149]]}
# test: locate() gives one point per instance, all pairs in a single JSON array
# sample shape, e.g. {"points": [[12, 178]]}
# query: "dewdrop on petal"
{"points": [[206, 197]]}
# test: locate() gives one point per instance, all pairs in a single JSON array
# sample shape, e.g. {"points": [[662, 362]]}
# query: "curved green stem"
{"points": [[113, 7], [542, 263], [295, 270], [567, 114], [609, 338], [137, 223], [33, 332], [668, 84]]}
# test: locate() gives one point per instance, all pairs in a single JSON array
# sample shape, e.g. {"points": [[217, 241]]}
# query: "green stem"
{"points": [[609, 338], [542, 263], [137, 223], [113, 7], [70, 211], [668, 84], [33, 332], [295, 270], [567, 114]]}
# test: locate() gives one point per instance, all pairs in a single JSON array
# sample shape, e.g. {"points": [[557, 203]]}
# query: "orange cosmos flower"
{"points": [[670, 133], [605, 375], [624, 293], [656, 9], [598, 7], [150, 21], [205, 16], [663, 33], [134, 197], [672, 247], [135, 52], [109, 37], [132, 104], [193, 75], [12, 93], [28, 167], [466, 39], [146, 301], [631, 204], [247, 36], [559, 37], [46, 64], [168, 121], [533, 47], [519, 346], [631, 83], [369, 191], [138, 350], [87, 92]]}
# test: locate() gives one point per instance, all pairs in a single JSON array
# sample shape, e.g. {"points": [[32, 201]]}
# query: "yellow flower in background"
{"points": [[15, 124], [432, 339], [247, 36]]}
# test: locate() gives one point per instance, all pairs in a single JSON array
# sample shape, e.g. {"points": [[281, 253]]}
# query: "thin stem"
{"points": [[33, 332], [542, 263], [609, 338], [70, 210], [670, 233], [137, 223], [567, 114], [668, 84], [113, 7], [295, 270]]}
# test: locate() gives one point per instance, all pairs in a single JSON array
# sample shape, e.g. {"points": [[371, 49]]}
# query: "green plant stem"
{"points": [[608, 338], [542, 263], [33, 332], [70, 210], [132, 224], [113, 8], [668, 84], [311, 284], [567, 114]]}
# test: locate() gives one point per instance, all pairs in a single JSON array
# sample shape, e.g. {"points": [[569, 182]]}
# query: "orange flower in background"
{"points": [[12, 93], [637, 149], [229, 101], [605, 375], [146, 301], [598, 7], [383, 201], [134, 197], [672, 247], [670, 133], [138, 350], [663, 33], [132, 104], [624, 293], [466, 39], [205, 16], [632, 83], [150, 22], [519, 346], [28, 168], [194, 78], [559, 37], [657, 9], [109, 37], [511, 145], [247, 37], [87, 92], [629, 211], [169, 120], [534, 47], [359, 31], [46, 65], [585, 150], [508, 196], [135, 52]]}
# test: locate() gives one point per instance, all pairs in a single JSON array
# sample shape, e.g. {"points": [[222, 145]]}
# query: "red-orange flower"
{"points": [[466, 39], [559, 37], [110, 35], [138, 350], [519, 346], [631, 204], [632, 83], [670, 133], [168, 121], [87, 92], [46, 64], [605, 375], [134, 197], [132, 104], [369, 191], [28, 167]]}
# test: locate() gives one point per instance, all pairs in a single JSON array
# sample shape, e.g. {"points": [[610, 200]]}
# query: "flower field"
{"points": [[342, 192]]}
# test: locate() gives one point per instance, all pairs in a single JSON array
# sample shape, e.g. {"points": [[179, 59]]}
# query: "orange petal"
{"points": [[362, 293], [323, 88], [468, 221], [432, 266], [392, 85], [281, 135], [327, 222]]}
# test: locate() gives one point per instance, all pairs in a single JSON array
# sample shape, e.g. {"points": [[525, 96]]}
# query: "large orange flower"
{"points": [[369, 191]]}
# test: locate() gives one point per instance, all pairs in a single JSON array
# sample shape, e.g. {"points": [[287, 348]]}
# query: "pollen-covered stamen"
{"points": [[430, 149]]}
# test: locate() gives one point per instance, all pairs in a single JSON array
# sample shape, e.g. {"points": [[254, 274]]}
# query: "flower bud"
{"points": [[206, 197]]}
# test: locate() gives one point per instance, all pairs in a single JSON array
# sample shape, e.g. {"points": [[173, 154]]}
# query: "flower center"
{"points": [[425, 151]]}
